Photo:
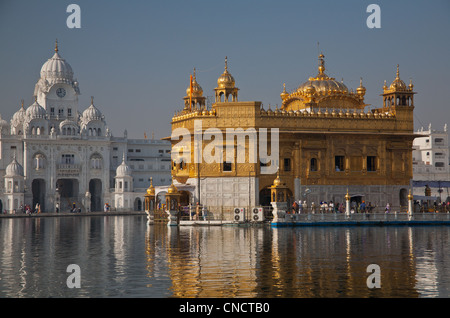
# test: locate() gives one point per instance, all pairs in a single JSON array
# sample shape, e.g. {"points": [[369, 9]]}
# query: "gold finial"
{"points": [[398, 71], [226, 63], [35, 98], [56, 45], [321, 64], [194, 73], [22, 103], [92, 100], [347, 196]]}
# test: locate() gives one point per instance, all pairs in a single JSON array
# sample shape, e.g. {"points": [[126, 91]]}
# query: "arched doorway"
{"points": [[38, 190], [95, 188], [68, 191], [184, 198], [138, 204], [1, 206], [403, 197], [264, 197]]}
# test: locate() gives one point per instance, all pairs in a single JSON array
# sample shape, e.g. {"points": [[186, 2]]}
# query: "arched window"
{"points": [[313, 164], [39, 161]]}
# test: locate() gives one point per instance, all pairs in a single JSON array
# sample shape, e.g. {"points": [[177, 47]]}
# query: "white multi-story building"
{"points": [[431, 162], [53, 155]]}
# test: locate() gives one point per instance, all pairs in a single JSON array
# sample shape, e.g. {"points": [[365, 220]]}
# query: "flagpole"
{"points": [[190, 95]]}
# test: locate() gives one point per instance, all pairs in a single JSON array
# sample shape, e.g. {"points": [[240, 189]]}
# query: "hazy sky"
{"points": [[135, 57]]}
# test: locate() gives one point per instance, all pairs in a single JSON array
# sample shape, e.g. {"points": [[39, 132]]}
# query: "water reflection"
{"points": [[300, 262], [125, 257]]}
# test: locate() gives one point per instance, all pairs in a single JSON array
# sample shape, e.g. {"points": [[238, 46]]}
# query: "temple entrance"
{"points": [[95, 188], [184, 198], [403, 197], [38, 190], [67, 188]]}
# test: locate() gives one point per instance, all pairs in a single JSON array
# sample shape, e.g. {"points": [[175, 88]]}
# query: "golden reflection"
{"points": [[306, 262]]}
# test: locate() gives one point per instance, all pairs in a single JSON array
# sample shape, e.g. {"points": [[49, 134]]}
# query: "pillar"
{"points": [[278, 195], [172, 202]]}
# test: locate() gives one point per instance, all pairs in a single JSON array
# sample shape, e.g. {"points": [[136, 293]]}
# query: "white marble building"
{"points": [[431, 162], [55, 155]]}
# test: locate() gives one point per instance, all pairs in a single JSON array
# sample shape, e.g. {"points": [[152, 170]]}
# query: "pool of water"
{"points": [[122, 256]]}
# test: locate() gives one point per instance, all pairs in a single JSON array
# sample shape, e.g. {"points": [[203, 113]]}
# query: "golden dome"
{"points": [[277, 182], [226, 80], [322, 82], [151, 188], [398, 84], [172, 189], [284, 94], [197, 90], [361, 90]]}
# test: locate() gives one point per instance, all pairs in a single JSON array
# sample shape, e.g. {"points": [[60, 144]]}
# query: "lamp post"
{"points": [[278, 195], [149, 202], [172, 200]]}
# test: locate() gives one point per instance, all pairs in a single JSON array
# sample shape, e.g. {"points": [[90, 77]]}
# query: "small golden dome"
{"points": [[151, 188], [197, 90], [226, 80], [397, 84], [284, 94], [277, 182], [361, 90], [172, 189]]}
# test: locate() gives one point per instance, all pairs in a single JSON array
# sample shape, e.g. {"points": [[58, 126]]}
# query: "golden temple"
{"points": [[329, 141]]}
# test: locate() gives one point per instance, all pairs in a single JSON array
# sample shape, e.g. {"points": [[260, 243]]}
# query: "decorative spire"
{"points": [[411, 86], [194, 74], [56, 46], [398, 72], [321, 64], [22, 103], [92, 100], [226, 64]]}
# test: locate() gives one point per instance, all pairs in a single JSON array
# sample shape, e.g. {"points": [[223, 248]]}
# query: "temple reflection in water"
{"points": [[307, 262], [125, 257]]}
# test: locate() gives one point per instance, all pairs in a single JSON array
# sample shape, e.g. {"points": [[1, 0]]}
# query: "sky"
{"points": [[136, 57]]}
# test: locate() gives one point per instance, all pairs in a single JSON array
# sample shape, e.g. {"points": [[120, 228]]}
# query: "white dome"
{"points": [[123, 170], [14, 169], [3, 123], [19, 116], [92, 113], [35, 111], [56, 67]]}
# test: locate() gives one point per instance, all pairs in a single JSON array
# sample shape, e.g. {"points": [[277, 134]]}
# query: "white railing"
{"points": [[359, 217]]}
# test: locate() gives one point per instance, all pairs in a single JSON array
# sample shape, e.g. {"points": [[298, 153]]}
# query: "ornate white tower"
{"points": [[14, 186], [56, 90]]}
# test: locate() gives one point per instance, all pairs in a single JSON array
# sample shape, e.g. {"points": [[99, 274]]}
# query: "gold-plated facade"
{"points": [[327, 136]]}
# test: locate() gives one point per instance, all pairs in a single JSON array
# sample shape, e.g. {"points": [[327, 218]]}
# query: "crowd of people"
{"points": [[299, 207]]}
